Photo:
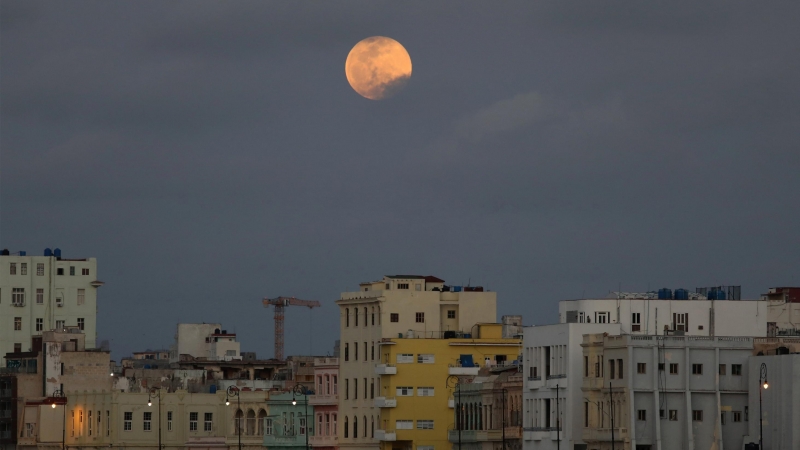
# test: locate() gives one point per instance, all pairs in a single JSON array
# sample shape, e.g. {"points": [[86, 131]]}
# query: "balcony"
{"points": [[383, 402], [385, 435], [323, 399], [604, 434], [385, 369], [457, 370], [323, 441]]}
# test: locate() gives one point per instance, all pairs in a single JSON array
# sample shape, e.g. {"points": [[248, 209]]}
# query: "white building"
{"points": [[42, 293], [205, 340], [666, 392], [780, 402], [648, 316], [552, 357], [398, 305]]}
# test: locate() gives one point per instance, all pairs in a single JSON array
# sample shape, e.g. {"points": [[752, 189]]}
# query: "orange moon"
{"points": [[378, 67]]}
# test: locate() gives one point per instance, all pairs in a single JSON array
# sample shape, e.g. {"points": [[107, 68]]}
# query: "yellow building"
{"points": [[418, 379]]}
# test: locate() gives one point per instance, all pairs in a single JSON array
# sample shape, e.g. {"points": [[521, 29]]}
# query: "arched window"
{"points": [[327, 385], [346, 427], [355, 426], [347, 351], [335, 430], [237, 422], [355, 315], [251, 423], [373, 315], [372, 435], [365, 422], [262, 416], [347, 317]]}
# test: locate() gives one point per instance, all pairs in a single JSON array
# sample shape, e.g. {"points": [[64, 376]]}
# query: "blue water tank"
{"points": [[57, 253], [456, 288], [213, 388], [23, 253], [48, 252], [716, 294], [665, 294], [147, 366], [681, 294]]}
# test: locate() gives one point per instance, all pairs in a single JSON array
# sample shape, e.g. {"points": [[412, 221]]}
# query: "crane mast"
{"points": [[280, 304]]}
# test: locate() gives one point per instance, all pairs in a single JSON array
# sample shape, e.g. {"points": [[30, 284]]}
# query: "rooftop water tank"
{"points": [[716, 294], [48, 252], [57, 253], [681, 294], [456, 288], [665, 294]]}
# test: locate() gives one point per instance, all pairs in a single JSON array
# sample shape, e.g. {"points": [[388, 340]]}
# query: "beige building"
{"points": [[204, 340], [400, 305], [39, 293]]}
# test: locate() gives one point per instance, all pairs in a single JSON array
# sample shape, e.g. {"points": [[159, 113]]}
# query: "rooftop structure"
{"points": [[204, 341]]}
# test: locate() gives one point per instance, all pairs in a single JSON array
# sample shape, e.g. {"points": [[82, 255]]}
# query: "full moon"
{"points": [[378, 67]]}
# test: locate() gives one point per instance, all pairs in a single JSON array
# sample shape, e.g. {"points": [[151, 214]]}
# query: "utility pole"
{"points": [[558, 422]]}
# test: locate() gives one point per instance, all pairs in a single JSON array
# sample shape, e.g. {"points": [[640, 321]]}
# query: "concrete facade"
{"points": [[325, 402], [42, 293], [655, 317], [553, 365], [780, 402], [402, 305], [206, 341]]}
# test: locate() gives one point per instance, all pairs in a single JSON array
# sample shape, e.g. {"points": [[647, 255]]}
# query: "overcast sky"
{"points": [[210, 154]]}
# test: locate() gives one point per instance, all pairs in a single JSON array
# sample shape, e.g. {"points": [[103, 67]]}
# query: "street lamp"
{"points": [[58, 393], [454, 382], [231, 392], [762, 380], [156, 393], [300, 389]]}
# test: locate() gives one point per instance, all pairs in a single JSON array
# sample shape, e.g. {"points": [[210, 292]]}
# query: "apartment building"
{"points": [[206, 341], [419, 390], [325, 402], [646, 314], [666, 392], [42, 293], [783, 317], [289, 424], [398, 305], [552, 396]]}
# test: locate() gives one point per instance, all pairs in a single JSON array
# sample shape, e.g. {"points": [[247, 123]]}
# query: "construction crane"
{"points": [[280, 303]]}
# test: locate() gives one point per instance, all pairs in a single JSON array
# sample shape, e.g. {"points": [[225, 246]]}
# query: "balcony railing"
{"points": [[383, 402], [559, 375], [386, 435], [385, 369], [474, 436], [604, 434]]}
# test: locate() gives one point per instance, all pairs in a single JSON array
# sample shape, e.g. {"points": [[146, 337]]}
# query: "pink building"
{"points": [[325, 402]]}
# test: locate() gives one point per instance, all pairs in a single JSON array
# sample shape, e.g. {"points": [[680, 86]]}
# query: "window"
{"points": [[365, 351], [208, 421], [355, 426], [373, 315], [90, 422], [611, 367], [405, 358], [347, 317], [18, 296], [601, 317], [641, 414], [169, 420], [423, 358], [404, 391], [72, 270], [420, 317], [39, 324], [302, 426], [585, 414], [84, 271], [23, 268], [736, 369], [365, 388], [81, 323], [680, 321], [372, 388], [355, 388], [81, 296], [60, 271], [404, 424], [372, 356], [619, 369], [661, 367], [347, 351], [673, 414], [673, 369], [365, 316], [641, 367], [268, 427], [39, 296], [192, 421], [746, 413], [737, 416], [346, 388], [451, 313], [17, 323], [355, 351], [355, 316], [722, 369], [418, 287], [722, 417], [40, 269], [424, 424], [128, 421], [59, 324], [147, 421], [697, 369], [108, 423], [425, 391], [697, 415], [402, 285], [662, 414], [394, 317], [636, 321], [346, 426], [585, 367], [12, 269]]}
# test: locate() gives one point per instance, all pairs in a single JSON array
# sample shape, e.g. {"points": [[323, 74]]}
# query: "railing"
{"points": [[542, 429], [560, 375], [536, 378], [323, 440], [18, 369]]}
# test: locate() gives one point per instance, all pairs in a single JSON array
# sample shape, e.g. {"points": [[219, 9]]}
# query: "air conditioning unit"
{"points": [[59, 302]]}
